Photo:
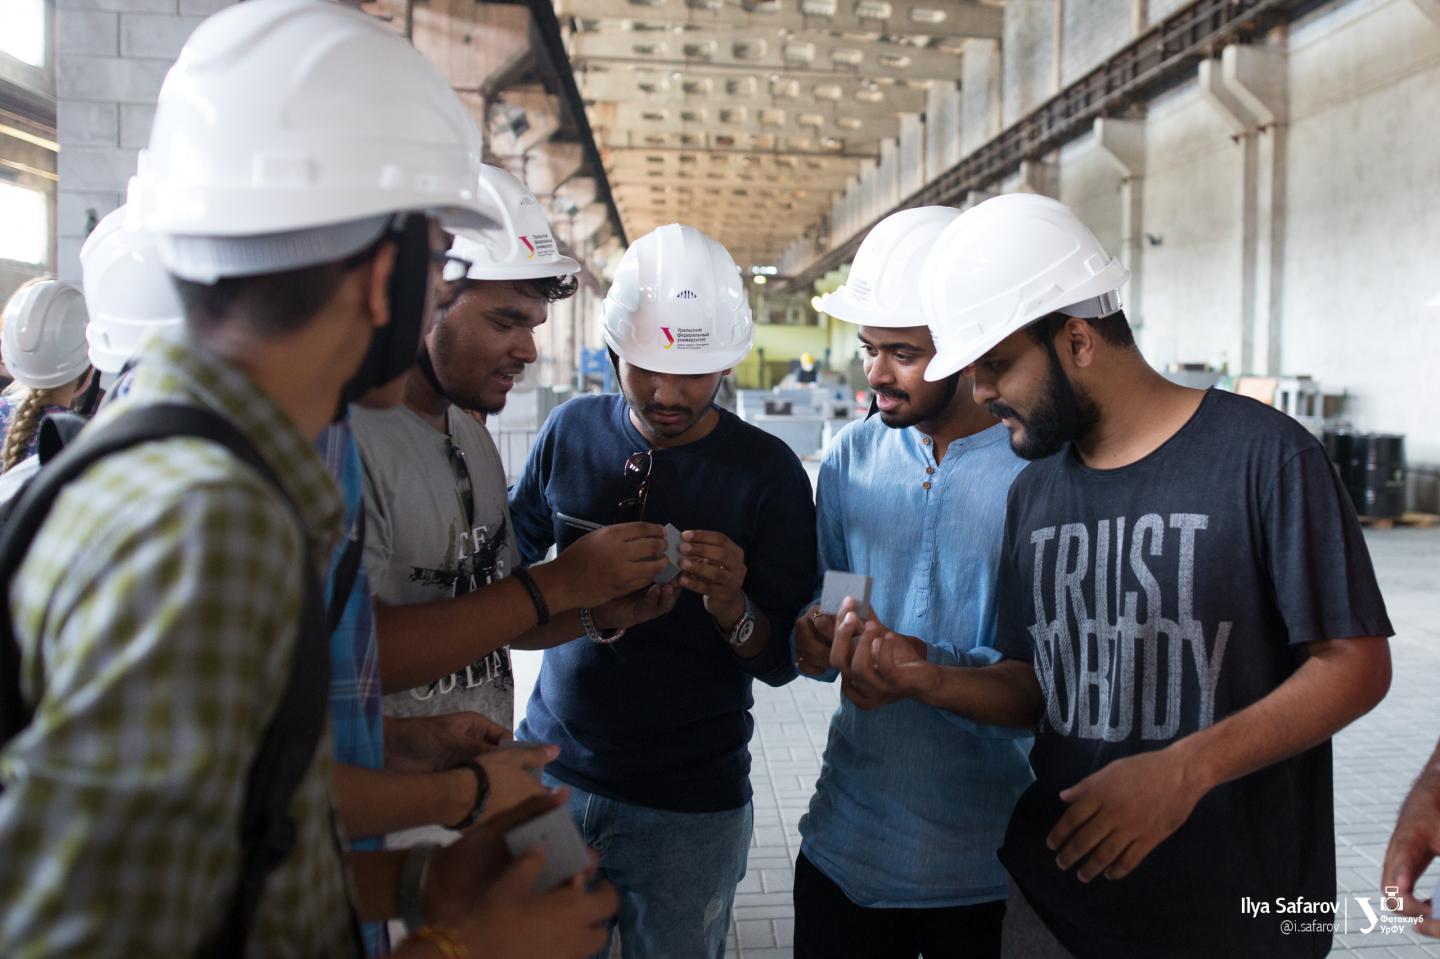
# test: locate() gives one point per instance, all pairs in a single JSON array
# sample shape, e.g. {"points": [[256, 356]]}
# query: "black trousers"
{"points": [[829, 926]]}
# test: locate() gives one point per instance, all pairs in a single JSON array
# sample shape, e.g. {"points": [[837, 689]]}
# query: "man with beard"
{"points": [[1186, 607], [653, 727], [915, 499], [439, 550]]}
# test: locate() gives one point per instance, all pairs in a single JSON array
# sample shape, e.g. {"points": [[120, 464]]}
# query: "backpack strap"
{"points": [[267, 834], [346, 569], [57, 430]]}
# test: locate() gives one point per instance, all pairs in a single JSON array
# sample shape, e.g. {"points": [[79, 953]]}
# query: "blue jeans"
{"points": [[676, 872]]}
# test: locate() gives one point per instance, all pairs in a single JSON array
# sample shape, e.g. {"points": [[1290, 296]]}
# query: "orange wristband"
{"points": [[445, 939]]}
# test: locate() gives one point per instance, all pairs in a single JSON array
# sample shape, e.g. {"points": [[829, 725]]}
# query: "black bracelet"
{"points": [[542, 610], [482, 792]]}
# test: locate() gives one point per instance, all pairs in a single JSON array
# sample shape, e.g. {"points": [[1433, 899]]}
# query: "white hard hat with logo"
{"points": [[883, 288], [43, 341], [129, 294], [1004, 264], [285, 116], [678, 304], [521, 246]]}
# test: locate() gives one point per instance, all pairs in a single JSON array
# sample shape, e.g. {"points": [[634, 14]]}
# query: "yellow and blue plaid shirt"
{"points": [[157, 613]]}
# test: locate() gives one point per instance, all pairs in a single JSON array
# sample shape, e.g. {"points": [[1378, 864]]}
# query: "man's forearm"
{"points": [[559, 631], [1004, 694], [377, 880], [1340, 681], [374, 802], [423, 642]]}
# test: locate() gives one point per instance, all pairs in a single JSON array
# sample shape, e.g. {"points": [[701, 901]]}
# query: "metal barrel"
{"points": [[1372, 467]]}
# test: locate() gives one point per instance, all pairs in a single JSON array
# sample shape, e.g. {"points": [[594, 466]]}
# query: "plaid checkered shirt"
{"points": [[157, 612]]}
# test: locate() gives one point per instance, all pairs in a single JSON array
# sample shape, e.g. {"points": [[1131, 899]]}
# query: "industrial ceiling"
{"points": [[748, 117]]}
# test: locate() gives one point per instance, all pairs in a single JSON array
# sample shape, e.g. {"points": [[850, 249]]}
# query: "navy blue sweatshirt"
{"points": [[661, 718]]}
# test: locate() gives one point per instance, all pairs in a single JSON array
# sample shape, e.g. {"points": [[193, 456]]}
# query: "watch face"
{"points": [[743, 630]]}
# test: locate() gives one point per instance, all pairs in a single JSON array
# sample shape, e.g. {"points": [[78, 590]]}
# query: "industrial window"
{"points": [[25, 214], [24, 34]]}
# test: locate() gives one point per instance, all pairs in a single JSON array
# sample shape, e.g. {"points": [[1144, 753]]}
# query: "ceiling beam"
{"points": [[618, 124], [790, 180], [807, 53], [744, 146], [783, 140], [734, 159], [937, 18], [766, 89]]}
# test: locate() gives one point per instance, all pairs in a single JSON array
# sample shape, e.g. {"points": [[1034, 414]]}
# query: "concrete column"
{"points": [[1139, 17], [1122, 142], [1057, 59], [981, 99], [912, 154], [1037, 176], [1031, 48], [942, 127], [1248, 89], [868, 205], [887, 177]]}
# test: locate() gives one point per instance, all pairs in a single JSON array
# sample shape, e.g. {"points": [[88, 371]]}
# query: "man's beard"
{"points": [[898, 421], [1064, 414]]}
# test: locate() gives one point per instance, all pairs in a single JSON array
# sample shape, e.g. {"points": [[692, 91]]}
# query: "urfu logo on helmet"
{"points": [[669, 337]]}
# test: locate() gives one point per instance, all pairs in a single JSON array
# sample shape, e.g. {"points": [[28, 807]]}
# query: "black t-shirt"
{"points": [[1155, 600]]}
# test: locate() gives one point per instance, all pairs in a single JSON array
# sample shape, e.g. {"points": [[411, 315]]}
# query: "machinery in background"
{"points": [[805, 417]]}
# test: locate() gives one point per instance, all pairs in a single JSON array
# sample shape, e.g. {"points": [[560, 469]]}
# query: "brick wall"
{"points": [[112, 56]]}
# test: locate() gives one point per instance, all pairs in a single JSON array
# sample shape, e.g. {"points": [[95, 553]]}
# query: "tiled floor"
{"points": [[1375, 762]]}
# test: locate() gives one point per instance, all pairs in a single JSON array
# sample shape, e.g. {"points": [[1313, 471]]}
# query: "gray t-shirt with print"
{"points": [[419, 546]]}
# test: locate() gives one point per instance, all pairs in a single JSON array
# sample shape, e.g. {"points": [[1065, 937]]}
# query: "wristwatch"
{"points": [[410, 896], [482, 792], [741, 632]]}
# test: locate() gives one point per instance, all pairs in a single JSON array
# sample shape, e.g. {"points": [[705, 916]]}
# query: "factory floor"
{"points": [[1376, 760]]}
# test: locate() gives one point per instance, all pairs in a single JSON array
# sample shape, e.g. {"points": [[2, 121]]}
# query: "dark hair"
{"points": [[551, 289], [1113, 329], [548, 288]]}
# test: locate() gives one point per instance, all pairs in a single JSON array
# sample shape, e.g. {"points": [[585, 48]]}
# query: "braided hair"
{"points": [[25, 422]]}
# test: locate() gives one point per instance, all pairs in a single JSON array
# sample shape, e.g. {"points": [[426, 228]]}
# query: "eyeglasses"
{"points": [[464, 486], [453, 271], [638, 467]]}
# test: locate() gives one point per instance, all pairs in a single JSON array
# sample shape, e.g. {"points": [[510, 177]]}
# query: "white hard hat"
{"points": [[678, 304], [43, 341], [883, 288], [521, 246], [284, 117], [1002, 265], [129, 294]]}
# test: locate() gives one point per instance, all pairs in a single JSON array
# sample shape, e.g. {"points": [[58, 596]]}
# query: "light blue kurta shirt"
{"points": [[912, 801]]}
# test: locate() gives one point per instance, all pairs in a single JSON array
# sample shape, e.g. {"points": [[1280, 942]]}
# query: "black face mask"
{"points": [[394, 347]]}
